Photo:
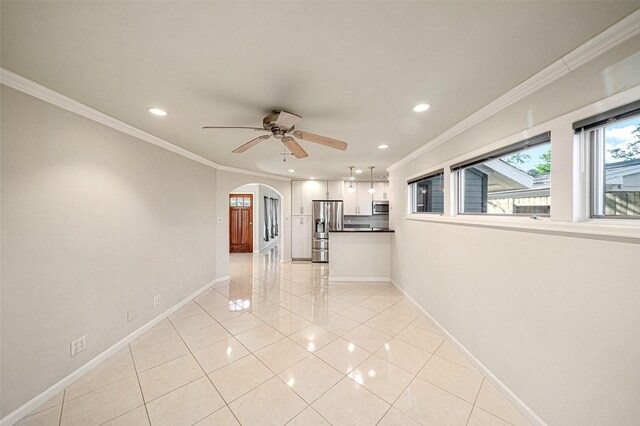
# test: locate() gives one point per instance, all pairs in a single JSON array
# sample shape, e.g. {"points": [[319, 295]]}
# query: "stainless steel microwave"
{"points": [[381, 207]]}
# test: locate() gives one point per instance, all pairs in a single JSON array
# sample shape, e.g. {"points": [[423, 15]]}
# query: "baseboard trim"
{"points": [[25, 409], [523, 408], [377, 279], [218, 281], [285, 260]]}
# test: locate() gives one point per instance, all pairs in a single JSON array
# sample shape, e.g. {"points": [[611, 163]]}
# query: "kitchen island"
{"points": [[359, 254]]}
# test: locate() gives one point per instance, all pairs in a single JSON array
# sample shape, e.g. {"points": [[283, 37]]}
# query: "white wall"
{"points": [[554, 316], [94, 222]]}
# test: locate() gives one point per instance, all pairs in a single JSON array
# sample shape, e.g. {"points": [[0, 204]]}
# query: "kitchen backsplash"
{"points": [[375, 221]]}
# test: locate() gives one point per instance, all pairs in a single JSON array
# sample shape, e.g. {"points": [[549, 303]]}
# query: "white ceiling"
{"points": [[353, 70]]}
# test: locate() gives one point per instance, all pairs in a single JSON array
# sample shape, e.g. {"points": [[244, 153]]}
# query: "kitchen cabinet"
{"points": [[358, 202], [334, 188], [314, 190], [303, 192], [350, 204], [382, 190], [297, 201], [365, 200], [301, 237]]}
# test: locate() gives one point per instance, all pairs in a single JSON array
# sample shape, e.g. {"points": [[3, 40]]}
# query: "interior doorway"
{"points": [[240, 223]]}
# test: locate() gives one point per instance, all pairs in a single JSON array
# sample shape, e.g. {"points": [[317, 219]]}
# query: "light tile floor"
{"points": [[280, 344]]}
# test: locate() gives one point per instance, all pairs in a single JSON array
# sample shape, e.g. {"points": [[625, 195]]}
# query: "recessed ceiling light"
{"points": [[291, 171], [383, 146], [351, 178], [311, 178], [157, 111], [358, 171], [421, 107]]}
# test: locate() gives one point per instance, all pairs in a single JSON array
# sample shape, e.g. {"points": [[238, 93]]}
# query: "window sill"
{"points": [[597, 228]]}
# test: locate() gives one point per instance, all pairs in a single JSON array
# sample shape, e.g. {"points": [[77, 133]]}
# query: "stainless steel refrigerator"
{"points": [[327, 216]]}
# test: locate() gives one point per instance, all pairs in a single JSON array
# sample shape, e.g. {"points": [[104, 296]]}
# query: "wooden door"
{"points": [[240, 223]]}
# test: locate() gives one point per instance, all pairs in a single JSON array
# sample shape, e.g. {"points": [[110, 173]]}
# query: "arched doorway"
{"points": [[255, 218]]}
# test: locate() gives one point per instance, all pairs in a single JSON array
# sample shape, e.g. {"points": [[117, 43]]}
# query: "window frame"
{"points": [[594, 139], [458, 169], [413, 187]]}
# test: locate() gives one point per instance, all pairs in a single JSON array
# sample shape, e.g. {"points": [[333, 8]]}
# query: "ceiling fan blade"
{"points": [[286, 120], [322, 140], [224, 127], [250, 144], [294, 147]]}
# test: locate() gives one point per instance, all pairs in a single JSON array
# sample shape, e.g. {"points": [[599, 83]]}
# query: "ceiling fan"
{"points": [[281, 125]]}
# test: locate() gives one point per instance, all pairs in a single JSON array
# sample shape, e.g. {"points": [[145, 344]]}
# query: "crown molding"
{"points": [[618, 33], [22, 84], [250, 172]]}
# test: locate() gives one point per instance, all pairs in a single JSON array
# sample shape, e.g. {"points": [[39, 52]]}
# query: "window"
{"points": [[614, 142], [427, 193], [515, 180]]}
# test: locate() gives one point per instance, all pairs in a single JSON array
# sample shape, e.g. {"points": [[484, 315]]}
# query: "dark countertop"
{"points": [[366, 230]]}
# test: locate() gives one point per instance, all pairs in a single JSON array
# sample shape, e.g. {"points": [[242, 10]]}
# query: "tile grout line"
{"points": [[64, 393], [392, 405], [144, 402], [475, 400], [205, 375]]}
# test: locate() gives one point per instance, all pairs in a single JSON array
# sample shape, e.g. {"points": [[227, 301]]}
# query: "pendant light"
{"points": [[372, 189], [350, 188]]}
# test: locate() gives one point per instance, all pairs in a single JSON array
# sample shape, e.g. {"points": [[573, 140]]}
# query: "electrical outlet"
{"points": [[156, 300], [131, 314], [219, 220], [78, 345]]}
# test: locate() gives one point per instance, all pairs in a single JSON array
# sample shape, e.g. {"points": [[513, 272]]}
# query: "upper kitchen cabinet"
{"points": [[297, 198], [350, 205], [303, 192], [316, 190], [382, 190], [334, 188], [365, 199], [358, 202]]}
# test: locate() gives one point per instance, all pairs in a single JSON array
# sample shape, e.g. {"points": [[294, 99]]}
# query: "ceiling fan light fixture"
{"points": [[157, 111], [281, 125], [421, 107]]}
